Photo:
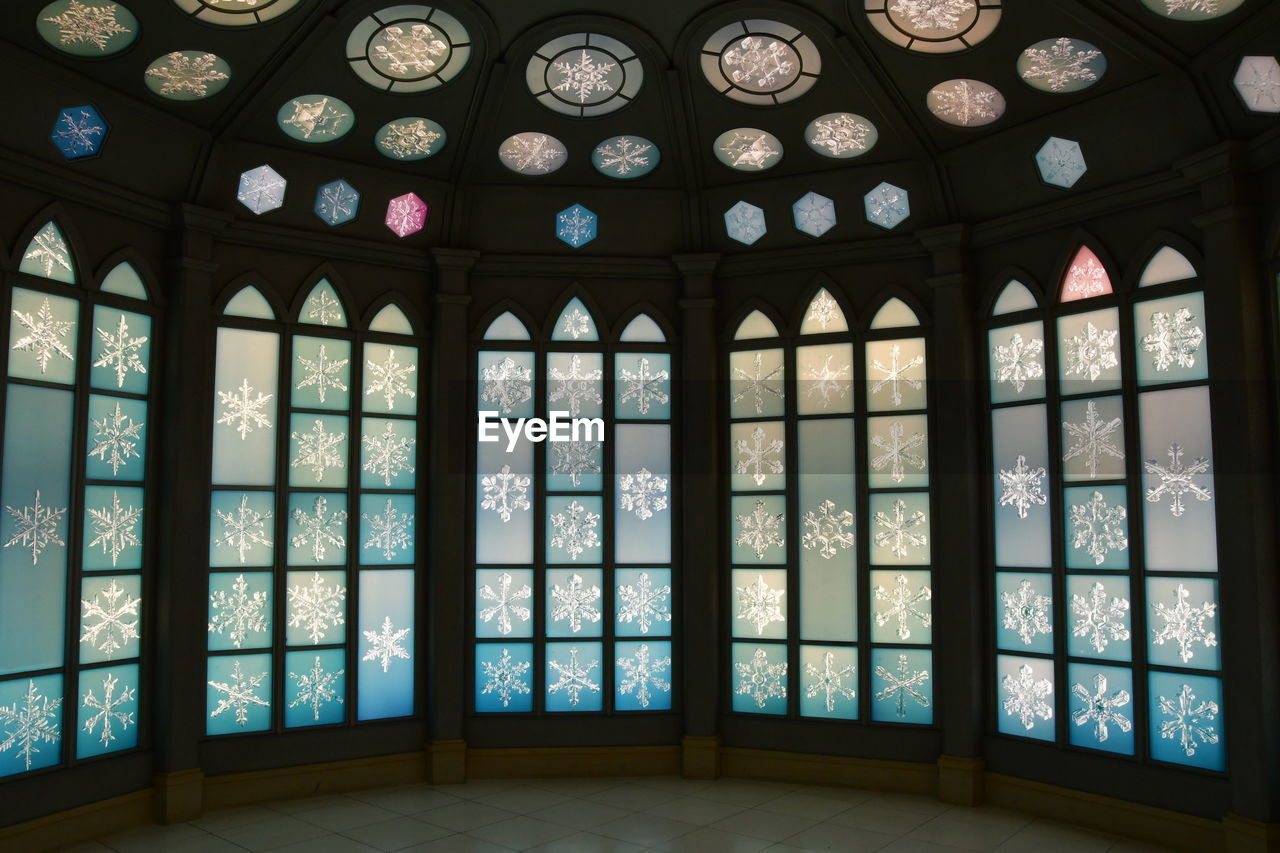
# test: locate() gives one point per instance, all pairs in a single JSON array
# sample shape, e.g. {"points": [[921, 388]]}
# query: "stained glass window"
{"points": [[760, 62], [934, 26]]}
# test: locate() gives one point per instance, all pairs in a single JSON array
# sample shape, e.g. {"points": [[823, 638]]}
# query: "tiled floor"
{"points": [[613, 816]]}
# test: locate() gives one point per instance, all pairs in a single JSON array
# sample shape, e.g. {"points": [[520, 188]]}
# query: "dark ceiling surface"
{"points": [[1166, 94]]}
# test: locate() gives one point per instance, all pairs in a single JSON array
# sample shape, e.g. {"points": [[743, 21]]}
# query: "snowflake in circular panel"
{"points": [[235, 13], [315, 118], [532, 153], [625, 157], [1061, 65], [760, 62], [841, 135], [408, 48], [966, 103], [187, 75], [409, 138], [584, 74], [1192, 10], [87, 28], [933, 26], [748, 149]]}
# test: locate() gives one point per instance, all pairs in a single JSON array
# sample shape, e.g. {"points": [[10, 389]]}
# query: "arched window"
{"points": [[574, 566], [75, 487], [1105, 536]]}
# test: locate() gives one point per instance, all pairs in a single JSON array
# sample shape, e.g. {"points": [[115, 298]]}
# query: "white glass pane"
{"points": [[756, 325], [1099, 611], [392, 321], [896, 375], [1167, 265], [1026, 696], [1179, 517], [245, 416], [824, 384], [758, 451], [757, 383], [1170, 339], [901, 607], [643, 511], [898, 452], [506, 327], [642, 329], [899, 525], [1089, 352], [827, 528], [894, 314], [1015, 297], [823, 316], [1024, 612], [123, 280], [1020, 451], [1016, 356], [250, 302]]}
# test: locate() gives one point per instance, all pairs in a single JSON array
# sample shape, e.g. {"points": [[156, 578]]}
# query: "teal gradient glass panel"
{"points": [[642, 676], [757, 384], [759, 530], [1026, 697], [642, 386], [1024, 612], [1100, 613], [1020, 482], [323, 307], [121, 350], [575, 466], [575, 323], [758, 451], [249, 301], [642, 602], [390, 379], [48, 255], [108, 714], [898, 452], [1101, 708], [829, 676], [506, 327], [902, 606], [896, 375], [899, 525], [1016, 356], [123, 280], [504, 501], [575, 384], [828, 577], [760, 603], [1170, 340], [315, 608], [1182, 623], [1180, 517], [1186, 714], [759, 678], [902, 686], [1089, 352], [1096, 531], [243, 528], [388, 530], [113, 528], [643, 510], [1093, 444], [110, 618], [318, 529], [575, 602], [388, 453], [321, 373], [504, 603], [240, 608], [40, 699], [117, 439], [574, 673], [505, 383], [316, 689], [43, 332], [574, 530], [318, 450], [387, 644], [245, 418], [824, 379], [504, 677], [238, 694]]}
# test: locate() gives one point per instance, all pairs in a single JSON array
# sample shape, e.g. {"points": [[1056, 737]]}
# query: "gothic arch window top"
{"points": [[1015, 297], [506, 327], [48, 255], [323, 307], [894, 314], [642, 329], [249, 302], [755, 325], [391, 320], [1086, 277], [575, 323], [1167, 265], [823, 316], [123, 280]]}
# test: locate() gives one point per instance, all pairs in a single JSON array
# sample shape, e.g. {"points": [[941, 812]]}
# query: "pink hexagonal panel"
{"points": [[407, 214]]}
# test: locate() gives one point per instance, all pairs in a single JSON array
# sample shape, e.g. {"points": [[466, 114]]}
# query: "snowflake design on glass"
{"points": [[1022, 487], [643, 603], [79, 132], [642, 493], [390, 531], [826, 383], [761, 63], [814, 214], [317, 118], [1087, 279], [1019, 362], [386, 644], [120, 352], [966, 103], [50, 251], [1176, 480], [106, 707], [319, 450], [839, 134], [85, 24], [575, 602], [644, 386], [901, 684], [112, 630], [904, 605], [114, 527], [824, 310], [572, 677], [316, 688], [641, 674], [44, 334], [574, 530], [586, 79], [411, 139], [187, 73], [1175, 339], [261, 189], [243, 411], [533, 153], [897, 535], [828, 682], [507, 384], [1258, 82], [337, 202], [761, 530], [244, 530], [320, 528], [1026, 612], [576, 324], [826, 530], [316, 607], [388, 454], [1207, 7], [116, 438], [757, 384], [897, 452], [1092, 439], [406, 214], [325, 310], [757, 456], [1184, 624], [942, 15], [1025, 697], [322, 373], [1100, 621], [1061, 162], [411, 52], [36, 527], [238, 613], [749, 150], [619, 157], [760, 679], [575, 385], [760, 603], [1188, 723], [505, 493], [895, 375], [238, 694], [1100, 709], [390, 379], [576, 225], [745, 223], [30, 722], [575, 458], [506, 603], [505, 678], [1060, 65], [1098, 528], [1090, 353]]}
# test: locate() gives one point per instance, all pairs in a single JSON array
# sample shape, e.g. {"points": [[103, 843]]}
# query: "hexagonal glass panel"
{"points": [[1061, 162], [79, 132], [409, 138], [760, 62], [261, 189], [584, 74], [744, 222], [235, 13], [406, 214], [966, 103], [408, 48], [337, 202], [748, 149], [1258, 82], [841, 135], [814, 214], [576, 226], [1192, 10], [934, 26], [187, 75], [315, 118], [625, 157], [1061, 65], [87, 27], [887, 205], [532, 153]]}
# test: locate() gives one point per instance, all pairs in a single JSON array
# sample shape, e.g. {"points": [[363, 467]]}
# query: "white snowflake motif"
{"points": [[757, 384], [1207, 7], [1060, 65], [243, 411], [1174, 339], [904, 605], [44, 335], [576, 226], [756, 457], [1026, 612], [78, 135], [1100, 709], [897, 535], [244, 530], [575, 458], [1025, 697], [239, 613], [643, 603], [1184, 624], [574, 530], [622, 155], [388, 454], [112, 630], [413, 139], [1022, 487], [1092, 439], [390, 379], [897, 452], [1100, 621], [942, 15], [261, 189], [319, 450], [641, 675], [30, 722], [749, 150], [1098, 528], [1091, 353], [506, 603], [120, 351], [85, 24], [643, 386], [760, 679], [575, 603], [1258, 82], [316, 118], [337, 203], [505, 678], [409, 53], [572, 677], [187, 74], [1176, 480], [901, 684], [1087, 279], [761, 63], [575, 386], [839, 135], [827, 530], [761, 604], [106, 707], [761, 530], [505, 493], [36, 527], [895, 375], [390, 531], [115, 438], [114, 527], [1189, 723], [576, 324], [50, 251], [507, 385], [828, 384], [824, 310], [239, 694], [386, 644], [966, 104], [1019, 362], [585, 79], [537, 153], [828, 682], [316, 689], [325, 310], [642, 493], [316, 607]]}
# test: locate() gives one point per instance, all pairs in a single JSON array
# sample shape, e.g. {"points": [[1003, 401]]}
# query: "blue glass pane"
{"points": [[902, 685], [574, 530], [574, 672], [504, 603], [1182, 621], [117, 439], [760, 603], [1101, 707], [759, 678], [121, 350], [238, 694], [1026, 697], [1093, 445], [240, 609], [42, 336], [1100, 617], [318, 450], [111, 616], [1180, 522], [245, 385], [1020, 450], [902, 606], [316, 689], [575, 322], [316, 608], [124, 281], [574, 602], [390, 379], [39, 699], [642, 601], [1089, 352], [249, 301], [1024, 612], [318, 529], [321, 373], [830, 681], [828, 580], [899, 527], [759, 530], [107, 720], [504, 677], [387, 644], [242, 526], [642, 519], [504, 495], [388, 453], [575, 384], [642, 676], [1186, 720], [642, 386], [387, 530], [575, 466], [505, 383], [1170, 339], [1096, 527]]}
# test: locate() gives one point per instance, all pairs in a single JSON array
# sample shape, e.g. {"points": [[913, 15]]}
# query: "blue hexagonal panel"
{"points": [[887, 205], [814, 214], [744, 222], [337, 202], [79, 132], [1060, 162], [576, 226], [261, 189]]}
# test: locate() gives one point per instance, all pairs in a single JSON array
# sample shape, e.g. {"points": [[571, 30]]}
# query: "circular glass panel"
{"points": [[933, 26], [316, 118], [87, 27], [966, 103], [1193, 10], [760, 62], [408, 48], [187, 75], [532, 153], [1061, 65], [841, 135], [584, 74], [748, 149], [235, 13], [625, 157], [410, 138]]}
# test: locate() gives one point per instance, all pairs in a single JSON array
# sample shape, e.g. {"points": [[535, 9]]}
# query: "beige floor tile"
{"points": [[177, 838], [647, 829], [457, 844], [695, 810], [633, 797], [805, 804], [587, 842], [675, 783], [580, 814], [981, 828], [411, 799], [521, 833], [274, 831], [743, 793], [757, 823], [878, 818], [1041, 836], [338, 816], [709, 840], [464, 816], [326, 844], [577, 787], [397, 833], [523, 800], [831, 836], [227, 818], [913, 845]]}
